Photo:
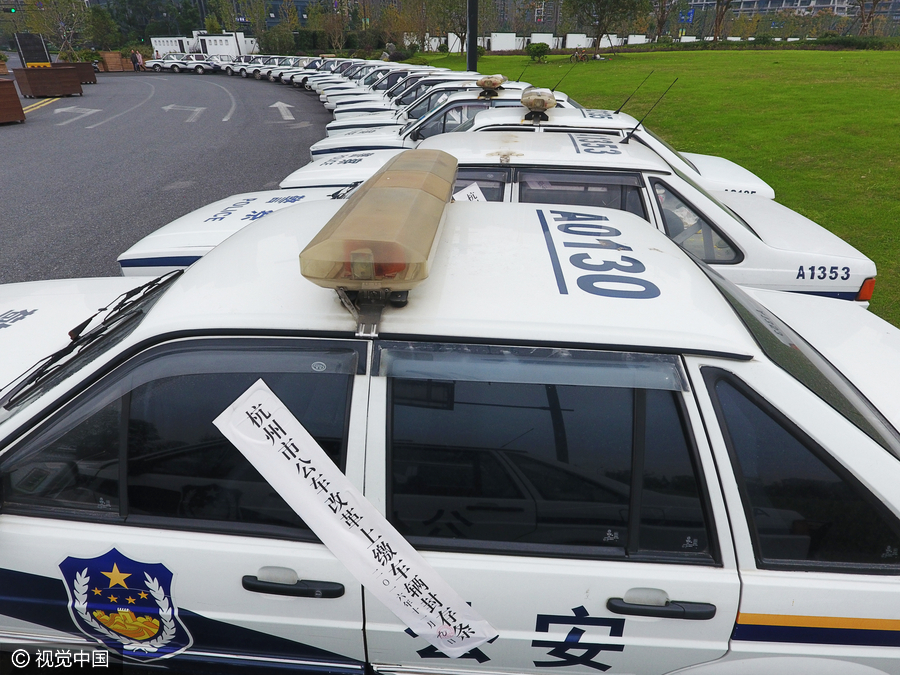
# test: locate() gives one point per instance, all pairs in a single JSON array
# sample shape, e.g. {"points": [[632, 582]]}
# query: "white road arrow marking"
{"points": [[300, 125], [195, 112], [79, 112], [283, 109]]}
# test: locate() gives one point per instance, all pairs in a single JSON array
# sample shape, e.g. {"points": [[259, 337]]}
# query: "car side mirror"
{"points": [[415, 135]]}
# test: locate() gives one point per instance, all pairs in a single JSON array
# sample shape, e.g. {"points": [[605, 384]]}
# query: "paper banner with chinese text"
{"points": [[380, 558]]}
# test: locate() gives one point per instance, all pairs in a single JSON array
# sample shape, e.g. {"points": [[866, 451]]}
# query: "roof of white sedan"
{"points": [[501, 271], [338, 170], [584, 117], [557, 149]]}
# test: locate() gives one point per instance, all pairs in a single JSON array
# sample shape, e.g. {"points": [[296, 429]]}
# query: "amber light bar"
{"points": [[385, 236]]}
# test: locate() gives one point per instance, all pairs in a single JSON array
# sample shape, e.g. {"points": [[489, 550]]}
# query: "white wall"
{"points": [[546, 38], [611, 41], [501, 42], [637, 39], [578, 41]]}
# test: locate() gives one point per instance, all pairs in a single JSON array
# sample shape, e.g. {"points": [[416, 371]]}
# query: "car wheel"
{"points": [[257, 75], [199, 70], [157, 68], [229, 72], [243, 72], [271, 77], [176, 69]]}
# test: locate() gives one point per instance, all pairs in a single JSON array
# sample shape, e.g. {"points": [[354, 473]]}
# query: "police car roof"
{"points": [[338, 170], [501, 272], [553, 149], [569, 117]]}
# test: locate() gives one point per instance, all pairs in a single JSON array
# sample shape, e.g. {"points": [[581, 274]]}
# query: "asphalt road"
{"points": [[84, 177]]}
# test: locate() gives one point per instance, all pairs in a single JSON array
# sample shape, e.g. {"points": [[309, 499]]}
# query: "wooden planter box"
{"points": [[10, 105], [85, 71], [113, 61], [3, 69], [62, 81]]}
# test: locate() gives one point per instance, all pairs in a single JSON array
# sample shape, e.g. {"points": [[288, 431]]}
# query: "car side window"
{"points": [[804, 509], [542, 451], [688, 228], [151, 424], [452, 118], [614, 191], [492, 183]]}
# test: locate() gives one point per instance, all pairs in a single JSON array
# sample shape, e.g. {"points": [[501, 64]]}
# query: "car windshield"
{"points": [[88, 340], [669, 148]]}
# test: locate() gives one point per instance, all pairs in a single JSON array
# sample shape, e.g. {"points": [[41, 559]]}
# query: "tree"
{"points": [[102, 31], [212, 24], [288, 18], [223, 10], [662, 12], [256, 13], [602, 15], [278, 40], [721, 13], [865, 15], [60, 21]]}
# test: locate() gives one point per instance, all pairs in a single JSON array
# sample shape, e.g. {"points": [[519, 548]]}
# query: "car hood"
{"points": [[783, 228], [36, 316], [722, 174], [864, 347]]}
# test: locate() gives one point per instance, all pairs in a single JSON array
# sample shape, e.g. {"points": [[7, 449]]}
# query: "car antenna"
{"points": [[619, 109], [631, 133], [562, 78], [519, 78]]}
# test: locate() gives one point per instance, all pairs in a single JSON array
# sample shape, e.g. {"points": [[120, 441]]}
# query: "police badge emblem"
{"points": [[125, 605]]}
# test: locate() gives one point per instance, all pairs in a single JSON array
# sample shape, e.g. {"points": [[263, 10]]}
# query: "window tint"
{"points": [[452, 118], [492, 183], [689, 229], [614, 191], [803, 506], [159, 412], [544, 453]]}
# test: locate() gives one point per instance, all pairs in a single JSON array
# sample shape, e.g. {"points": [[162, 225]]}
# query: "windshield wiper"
{"points": [[117, 312]]}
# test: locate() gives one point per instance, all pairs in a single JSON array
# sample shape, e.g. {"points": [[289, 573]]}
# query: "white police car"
{"points": [[714, 173], [383, 116], [752, 240], [175, 59], [186, 239], [456, 110], [622, 461]]}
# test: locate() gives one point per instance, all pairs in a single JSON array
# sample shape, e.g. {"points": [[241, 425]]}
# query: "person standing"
{"points": [[140, 60], [134, 60]]}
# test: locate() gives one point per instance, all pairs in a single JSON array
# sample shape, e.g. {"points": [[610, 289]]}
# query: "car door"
{"points": [[129, 521], [565, 494], [814, 504]]}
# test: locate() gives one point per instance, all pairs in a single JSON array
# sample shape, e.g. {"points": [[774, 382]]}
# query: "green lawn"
{"points": [[821, 127]]}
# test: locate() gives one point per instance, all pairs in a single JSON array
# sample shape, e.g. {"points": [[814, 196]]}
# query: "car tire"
{"points": [[157, 68], [243, 72], [199, 70], [229, 72], [176, 69], [271, 77], [257, 75]]}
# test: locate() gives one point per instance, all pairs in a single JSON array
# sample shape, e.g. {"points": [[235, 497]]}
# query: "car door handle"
{"points": [[673, 609], [300, 589]]}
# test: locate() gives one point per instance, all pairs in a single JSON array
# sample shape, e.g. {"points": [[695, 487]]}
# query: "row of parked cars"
{"points": [[247, 65], [629, 408]]}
